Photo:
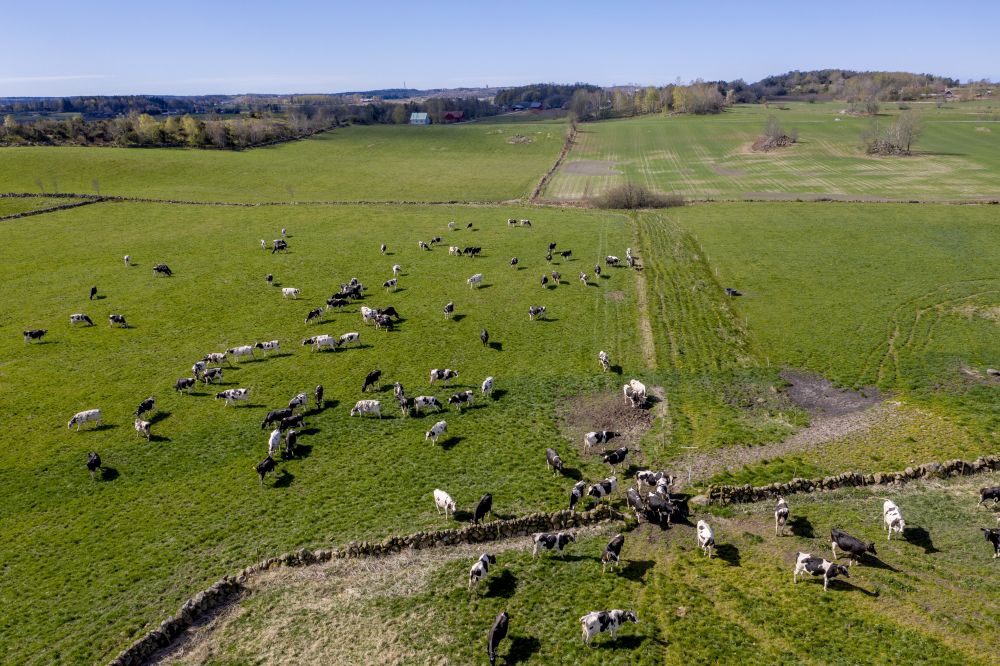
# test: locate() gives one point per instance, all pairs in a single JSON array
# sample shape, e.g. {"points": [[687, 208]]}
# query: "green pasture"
{"points": [[467, 162], [709, 157], [89, 565], [13, 206]]}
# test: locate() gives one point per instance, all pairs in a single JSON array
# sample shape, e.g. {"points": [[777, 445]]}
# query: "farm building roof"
{"points": [[417, 116]]}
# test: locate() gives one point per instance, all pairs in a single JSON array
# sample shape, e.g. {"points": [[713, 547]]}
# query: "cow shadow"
{"points": [[101, 428], [728, 553], [158, 438], [496, 346], [521, 649], [801, 527], [484, 286], [592, 284], [849, 587], [457, 317], [570, 557], [44, 342], [450, 443], [305, 432], [549, 320], [617, 369], [870, 560], [300, 451], [918, 536], [253, 405], [283, 479], [550, 287], [521, 268], [629, 642], [497, 394], [636, 570], [572, 473], [503, 586], [99, 297], [463, 516], [109, 474], [278, 355]]}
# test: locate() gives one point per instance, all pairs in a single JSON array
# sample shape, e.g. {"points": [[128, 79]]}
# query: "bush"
{"points": [[630, 196]]}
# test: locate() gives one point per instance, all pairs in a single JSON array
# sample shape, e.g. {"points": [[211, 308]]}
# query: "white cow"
{"points": [[142, 427], [487, 387], [237, 352], [443, 501], [82, 417], [273, 442], [475, 280], [605, 361], [706, 538], [439, 429], [367, 314], [397, 269], [455, 250], [290, 291], [128, 259], [893, 519], [367, 407]]}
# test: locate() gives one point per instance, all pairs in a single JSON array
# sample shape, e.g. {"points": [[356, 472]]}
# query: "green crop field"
{"points": [[709, 157], [469, 162]]}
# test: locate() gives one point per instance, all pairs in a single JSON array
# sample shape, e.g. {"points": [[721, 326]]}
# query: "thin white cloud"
{"points": [[58, 77]]}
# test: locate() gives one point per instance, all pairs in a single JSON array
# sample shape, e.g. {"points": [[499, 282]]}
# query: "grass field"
{"points": [[708, 157], [923, 598], [469, 162], [11, 206], [87, 565]]}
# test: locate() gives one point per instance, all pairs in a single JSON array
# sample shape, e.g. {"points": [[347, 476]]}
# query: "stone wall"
{"points": [[748, 493]]}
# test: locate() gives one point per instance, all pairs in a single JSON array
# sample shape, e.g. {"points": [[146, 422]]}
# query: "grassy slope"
{"points": [[88, 565], [378, 163], [924, 599], [14, 206], [708, 156]]}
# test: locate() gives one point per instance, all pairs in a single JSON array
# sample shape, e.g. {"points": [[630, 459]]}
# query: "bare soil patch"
{"points": [[520, 138], [614, 295], [591, 168], [728, 172], [605, 411], [818, 396]]}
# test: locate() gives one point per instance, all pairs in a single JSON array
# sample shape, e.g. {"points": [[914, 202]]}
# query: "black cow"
{"points": [[553, 461], [548, 257], [550, 541], [269, 278], [318, 393], [93, 463], [93, 293], [275, 416], [293, 421], [484, 507], [184, 384], [612, 552], [264, 467], [576, 494], [545, 280], [291, 437], [659, 509], [34, 334], [497, 633], [552, 246], [484, 335], [335, 302], [992, 535], [854, 548], [597, 270], [374, 378], [389, 312], [162, 269], [986, 494], [145, 407], [566, 254]]}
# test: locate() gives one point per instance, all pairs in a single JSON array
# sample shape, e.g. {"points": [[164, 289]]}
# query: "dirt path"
{"points": [[570, 140]]}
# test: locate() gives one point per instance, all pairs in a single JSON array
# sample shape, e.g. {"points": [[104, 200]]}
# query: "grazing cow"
{"points": [[553, 461], [454, 250], [398, 391], [367, 407], [388, 312], [663, 487], [548, 257], [142, 427], [80, 319], [525, 223], [732, 292], [893, 519], [382, 248], [480, 570], [34, 334], [373, 378], [497, 633], [444, 502], [597, 270], [992, 535], [781, 517], [263, 244], [566, 254], [513, 262], [598, 622], [548, 541], [396, 269], [616, 457], [635, 393], [634, 501], [576, 494], [552, 246], [269, 279], [145, 407], [293, 421], [290, 291], [817, 566], [706, 538], [184, 384], [404, 404], [93, 293], [238, 352], [854, 548], [232, 395], [612, 552], [162, 269], [583, 277], [390, 284], [484, 335], [484, 507], [476, 280], [315, 313], [443, 375], [264, 467], [422, 245], [291, 439], [986, 494], [128, 259], [211, 374], [604, 488], [487, 386], [511, 222], [93, 463], [463, 399], [275, 416], [652, 479], [318, 396], [82, 417], [118, 319], [449, 309], [604, 360], [661, 509], [383, 322], [545, 280], [536, 311], [612, 260], [319, 341], [218, 358], [270, 345], [556, 276], [599, 437], [348, 338], [278, 245], [439, 428], [300, 400], [273, 442], [198, 368], [283, 232], [422, 401]]}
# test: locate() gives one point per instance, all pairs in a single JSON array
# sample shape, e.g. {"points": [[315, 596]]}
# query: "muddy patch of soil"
{"points": [[591, 168], [819, 397], [605, 411], [614, 295]]}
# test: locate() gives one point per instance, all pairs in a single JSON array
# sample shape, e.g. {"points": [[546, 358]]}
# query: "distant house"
{"points": [[419, 119], [535, 106], [522, 106], [454, 116]]}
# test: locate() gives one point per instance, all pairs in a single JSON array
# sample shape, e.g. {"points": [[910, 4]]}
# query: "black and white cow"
{"points": [[576, 494], [145, 407], [318, 396], [93, 464], [269, 278], [443, 375], [463, 399], [128, 259], [583, 277], [390, 285], [599, 437], [449, 309], [383, 322], [597, 270], [291, 439], [706, 538], [480, 570], [525, 223], [438, 429], [497, 633], [483, 507], [484, 335], [388, 311], [275, 416], [143, 428], [817, 566], [651, 478], [240, 352], [556, 277], [616, 457], [398, 390], [513, 262], [781, 517], [548, 257], [231, 396], [80, 318], [184, 384], [487, 386], [733, 292], [992, 535], [549, 541], [536, 311], [264, 467], [278, 245], [545, 279], [197, 369], [634, 501], [598, 622], [300, 400], [553, 461], [162, 269], [315, 313], [217, 357], [382, 248], [117, 320], [373, 378], [273, 442], [270, 345], [604, 488], [336, 302], [552, 246], [475, 281], [566, 254], [348, 338], [612, 553], [659, 509], [211, 374], [987, 494], [293, 421], [852, 547], [84, 417], [612, 260], [426, 401], [34, 334]]}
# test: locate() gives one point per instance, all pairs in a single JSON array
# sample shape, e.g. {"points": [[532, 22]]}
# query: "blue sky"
{"points": [[189, 47]]}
